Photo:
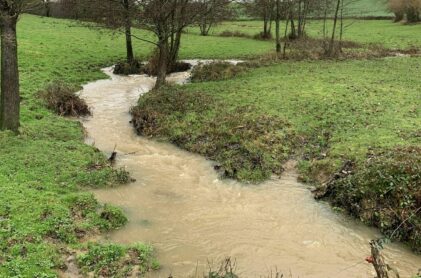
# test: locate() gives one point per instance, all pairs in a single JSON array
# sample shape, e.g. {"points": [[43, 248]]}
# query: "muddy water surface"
{"points": [[179, 205]]}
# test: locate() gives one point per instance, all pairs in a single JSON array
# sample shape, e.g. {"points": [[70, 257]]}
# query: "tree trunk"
{"points": [[293, 34], [162, 64], [128, 32], [47, 8], [174, 49], [335, 21], [129, 44], [278, 30], [9, 100], [265, 27]]}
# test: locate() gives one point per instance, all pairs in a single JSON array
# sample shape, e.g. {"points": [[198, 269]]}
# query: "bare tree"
{"points": [[278, 26], [10, 99], [213, 12], [47, 7], [167, 19], [263, 9], [114, 14]]}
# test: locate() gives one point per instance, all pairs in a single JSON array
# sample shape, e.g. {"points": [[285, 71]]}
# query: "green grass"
{"points": [[382, 32], [361, 104], [367, 8], [48, 163], [324, 112], [46, 168]]}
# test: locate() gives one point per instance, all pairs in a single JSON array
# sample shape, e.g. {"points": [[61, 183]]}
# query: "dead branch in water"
{"points": [[383, 270], [113, 156]]}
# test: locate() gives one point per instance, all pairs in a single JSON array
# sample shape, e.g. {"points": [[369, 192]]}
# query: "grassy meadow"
{"points": [[46, 170], [381, 32]]}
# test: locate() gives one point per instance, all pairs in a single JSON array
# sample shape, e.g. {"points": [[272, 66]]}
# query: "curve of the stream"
{"points": [[180, 206]]}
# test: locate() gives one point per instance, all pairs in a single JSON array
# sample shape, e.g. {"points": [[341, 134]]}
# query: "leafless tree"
{"points": [[213, 12], [265, 10], [167, 19], [115, 14], [10, 99]]}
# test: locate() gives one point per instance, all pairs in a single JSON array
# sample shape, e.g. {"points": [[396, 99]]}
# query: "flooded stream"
{"points": [[191, 217]]}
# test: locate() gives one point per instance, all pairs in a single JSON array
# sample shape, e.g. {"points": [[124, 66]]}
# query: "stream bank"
{"points": [[179, 204]]}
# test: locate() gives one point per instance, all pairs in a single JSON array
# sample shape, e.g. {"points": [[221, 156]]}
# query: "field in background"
{"points": [[382, 32]]}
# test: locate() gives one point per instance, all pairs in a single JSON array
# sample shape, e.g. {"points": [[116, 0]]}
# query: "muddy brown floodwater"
{"points": [[191, 217]]}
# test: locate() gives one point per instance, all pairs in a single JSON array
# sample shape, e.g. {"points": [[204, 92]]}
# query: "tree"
{"points": [[213, 12], [167, 19], [10, 99], [263, 9], [277, 24], [409, 8], [115, 14]]}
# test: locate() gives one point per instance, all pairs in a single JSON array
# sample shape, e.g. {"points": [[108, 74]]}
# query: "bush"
{"points": [[384, 191], [217, 71], [125, 68], [63, 100], [263, 36]]}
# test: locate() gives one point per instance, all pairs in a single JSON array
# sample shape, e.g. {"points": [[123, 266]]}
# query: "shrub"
{"points": [[263, 36], [217, 71], [125, 68], [385, 191], [63, 100], [238, 34]]}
